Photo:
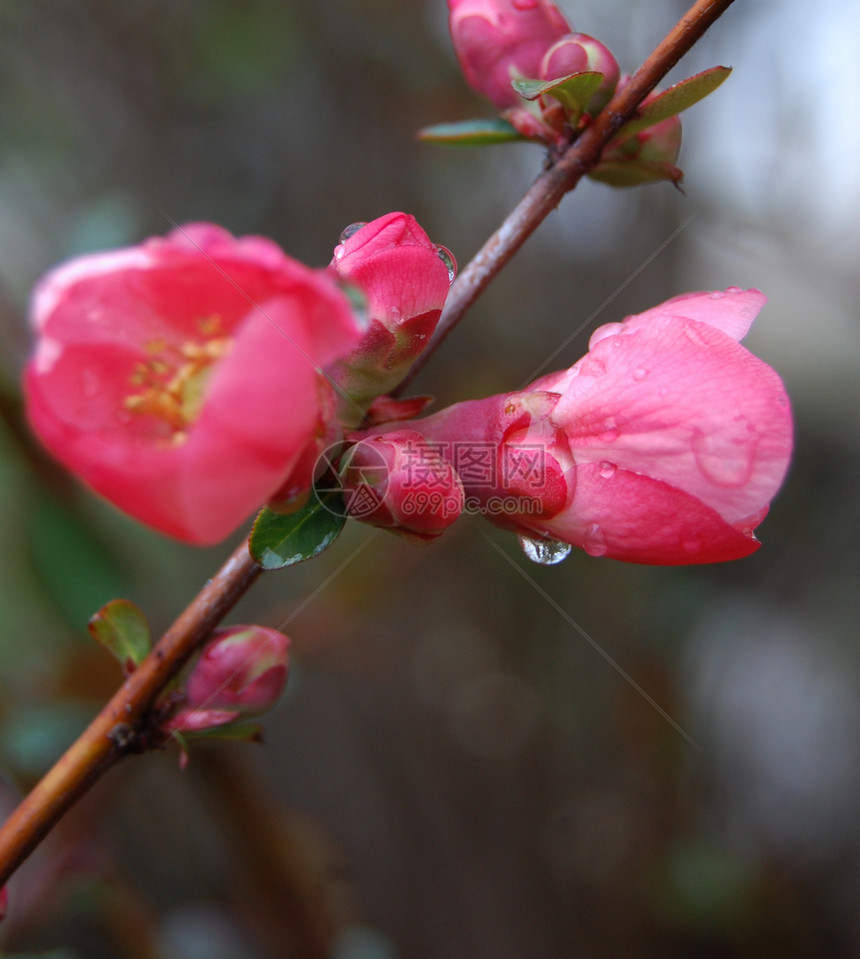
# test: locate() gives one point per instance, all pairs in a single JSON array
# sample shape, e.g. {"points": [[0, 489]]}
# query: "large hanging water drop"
{"points": [[447, 257], [545, 552]]}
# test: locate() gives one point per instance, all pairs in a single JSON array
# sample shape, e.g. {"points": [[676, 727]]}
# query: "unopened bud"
{"points": [[578, 53], [404, 278], [242, 671], [643, 157], [399, 481]]}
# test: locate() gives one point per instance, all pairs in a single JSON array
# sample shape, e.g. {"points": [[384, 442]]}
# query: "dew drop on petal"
{"points": [[544, 552], [734, 289], [351, 230], [607, 469], [717, 295], [722, 466], [594, 542], [447, 257], [609, 436], [640, 373]]}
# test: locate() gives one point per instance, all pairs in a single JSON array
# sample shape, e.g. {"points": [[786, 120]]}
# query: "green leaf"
{"points": [[121, 628], [279, 540], [234, 732], [635, 173], [471, 133], [573, 92], [677, 98]]}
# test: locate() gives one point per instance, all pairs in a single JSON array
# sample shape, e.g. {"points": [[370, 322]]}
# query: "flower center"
{"points": [[172, 385]]}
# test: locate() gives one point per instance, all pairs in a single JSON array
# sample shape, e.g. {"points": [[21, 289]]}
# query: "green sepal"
{"points": [[121, 628], [573, 92], [677, 98], [471, 133], [635, 173], [235, 732], [279, 540]]}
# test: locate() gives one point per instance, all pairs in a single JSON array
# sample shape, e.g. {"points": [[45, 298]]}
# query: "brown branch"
{"points": [[550, 187], [114, 732], [118, 728]]}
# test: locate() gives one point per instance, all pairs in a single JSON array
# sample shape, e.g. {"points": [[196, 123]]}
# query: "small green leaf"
{"points": [[121, 628], [635, 173], [279, 540], [236, 732], [573, 92], [677, 98], [471, 133]]}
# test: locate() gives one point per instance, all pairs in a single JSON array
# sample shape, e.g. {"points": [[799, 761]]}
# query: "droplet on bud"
{"points": [[594, 542], [447, 257], [351, 230], [544, 552]]}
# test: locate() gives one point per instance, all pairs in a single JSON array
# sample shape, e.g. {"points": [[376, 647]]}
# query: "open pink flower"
{"points": [[671, 438], [497, 41], [181, 378], [405, 279]]}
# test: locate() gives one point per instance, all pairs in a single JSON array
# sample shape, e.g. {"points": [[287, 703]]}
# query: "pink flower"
{"points": [[497, 41], [242, 671], [402, 483], [405, 279], [180, 378], [671, 438]]}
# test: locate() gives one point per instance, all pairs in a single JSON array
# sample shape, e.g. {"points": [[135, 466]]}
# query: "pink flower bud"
{"points": [[497, 41], [400, 482], [578, 53], [646, 156], [672, 438], [179, 378], [242, 671], [405, 279]]}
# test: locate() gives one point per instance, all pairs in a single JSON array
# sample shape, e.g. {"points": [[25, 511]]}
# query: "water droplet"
{"points": [[607, 469], [545, 552], [594, 542], [447, 257], [734, 289], [747, 312], [640, 373], [717, 295], [725, 465], [351, 230], [609, 436]]}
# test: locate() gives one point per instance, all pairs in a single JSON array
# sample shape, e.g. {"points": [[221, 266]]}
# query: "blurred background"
{"points": [[455, 770]]}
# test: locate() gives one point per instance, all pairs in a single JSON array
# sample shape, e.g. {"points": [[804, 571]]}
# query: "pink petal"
{"points": [[626, 516], [731, 311], [683, 403]]}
